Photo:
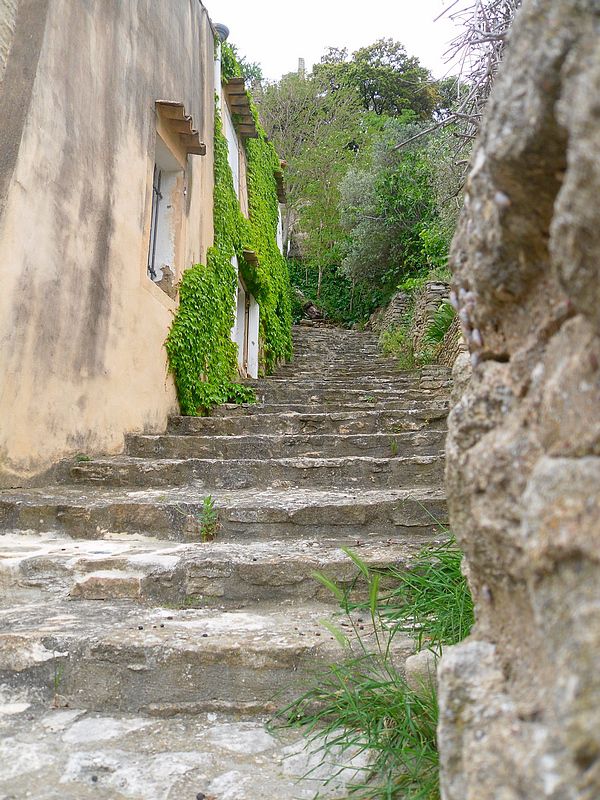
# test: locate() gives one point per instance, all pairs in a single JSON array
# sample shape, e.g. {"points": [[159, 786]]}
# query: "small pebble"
{"points": [[200, 796], [162, 624], [94, 779], [140, 627], [205, 635]]}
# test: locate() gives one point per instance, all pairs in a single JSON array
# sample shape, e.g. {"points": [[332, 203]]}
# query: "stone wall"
{"points": [[427, 302], [392, 316], [520, 699], [452, 345]]}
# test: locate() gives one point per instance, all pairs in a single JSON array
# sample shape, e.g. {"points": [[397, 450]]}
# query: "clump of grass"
{"points": [[431, 600], [364, 704]]}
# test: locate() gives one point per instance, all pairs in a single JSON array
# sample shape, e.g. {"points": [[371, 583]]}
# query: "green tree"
{"points": [[389, 212], [387, 80]]}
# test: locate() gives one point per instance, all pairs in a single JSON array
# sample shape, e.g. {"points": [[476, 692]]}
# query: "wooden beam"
{"points": [[192, 142], [250, 256], [182, 126]]}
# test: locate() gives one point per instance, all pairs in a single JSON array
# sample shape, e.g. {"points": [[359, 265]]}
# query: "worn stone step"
{"points": [[359, 376], [379, 445], [251, 421], [147, 570], [208, 474], [75, 754], [325, 381], [433, 403], [127, 657], [331, 517], [341, 396]]}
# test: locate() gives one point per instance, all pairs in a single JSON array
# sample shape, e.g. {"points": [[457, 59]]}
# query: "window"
{"points": [[168, 191]]}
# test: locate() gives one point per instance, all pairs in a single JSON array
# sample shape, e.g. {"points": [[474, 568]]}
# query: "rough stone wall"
{"points": [[452, 345], [427, 303], [392, 315], [520, 699]]}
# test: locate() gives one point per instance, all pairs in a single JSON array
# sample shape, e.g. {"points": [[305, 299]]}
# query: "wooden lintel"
{"points": [[200, 150]]}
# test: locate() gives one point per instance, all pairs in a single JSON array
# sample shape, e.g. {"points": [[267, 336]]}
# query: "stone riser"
{"points": [[338, 524], [169, 661], [333, 446], [204, 575], [349, 473], [334, 407], [360, 422], [342, 397]]}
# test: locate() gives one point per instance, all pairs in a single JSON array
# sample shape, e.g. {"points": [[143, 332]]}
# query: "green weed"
{"points": [[364, 704], [208, 520]]}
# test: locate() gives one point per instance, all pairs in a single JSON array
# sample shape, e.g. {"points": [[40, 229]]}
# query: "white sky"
{"points": [[275, 33]]}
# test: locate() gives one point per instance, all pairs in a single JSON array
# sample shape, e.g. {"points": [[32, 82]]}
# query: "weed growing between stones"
{"points": [[208, 520], [365, 705]]}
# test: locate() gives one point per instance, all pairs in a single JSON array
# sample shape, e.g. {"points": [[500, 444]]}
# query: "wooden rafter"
{"points": [[181, 124], [239, 105]]}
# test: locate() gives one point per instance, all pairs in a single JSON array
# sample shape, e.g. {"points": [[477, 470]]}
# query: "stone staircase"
{"points": [[137, 660]]}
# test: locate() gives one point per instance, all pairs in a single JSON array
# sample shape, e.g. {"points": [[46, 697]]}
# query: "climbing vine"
{"points": [[202, 355]]}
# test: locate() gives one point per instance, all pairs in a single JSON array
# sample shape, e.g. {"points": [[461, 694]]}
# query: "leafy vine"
{"points": [[202, 355]]}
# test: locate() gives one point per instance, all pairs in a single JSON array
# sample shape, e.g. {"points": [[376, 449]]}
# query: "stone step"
{"points": [[379, 445], [208, 474], [340, 396], [433, 404], [73, 754], [366, 373], [251, 420], [157, 661], [147, 570], [324, 381], [332, 518]]}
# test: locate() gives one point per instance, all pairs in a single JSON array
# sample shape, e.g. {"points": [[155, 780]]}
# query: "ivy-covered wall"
{"points": [[201, 354]]}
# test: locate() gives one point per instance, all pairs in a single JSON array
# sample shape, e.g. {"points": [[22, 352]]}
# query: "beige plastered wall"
{"points": [[82, 327]]}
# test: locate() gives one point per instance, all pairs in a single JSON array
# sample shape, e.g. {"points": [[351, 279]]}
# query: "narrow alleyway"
{"points": [[138, 661]]}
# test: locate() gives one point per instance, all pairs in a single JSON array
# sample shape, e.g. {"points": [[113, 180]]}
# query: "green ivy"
{"points": [[202, 356], [230, 67]]}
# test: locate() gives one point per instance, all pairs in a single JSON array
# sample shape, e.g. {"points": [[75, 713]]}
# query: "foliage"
{"points": [[208, 520], [340, 298], [202, 356], [431, 600], [269, 280], [233, 65], [398, 343], [440, 324], [389, 212], [387, 80], [364, 704]]}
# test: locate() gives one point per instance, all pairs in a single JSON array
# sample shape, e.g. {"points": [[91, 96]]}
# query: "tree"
{"points": [[317, 134], [387, 80], [389, 212]]}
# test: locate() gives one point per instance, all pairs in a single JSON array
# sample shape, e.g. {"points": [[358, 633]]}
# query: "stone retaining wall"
{"points": [[520, 698], [427, 302]]}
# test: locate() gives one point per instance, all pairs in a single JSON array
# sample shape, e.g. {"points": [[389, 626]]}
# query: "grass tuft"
{"points": [[364, 704]]}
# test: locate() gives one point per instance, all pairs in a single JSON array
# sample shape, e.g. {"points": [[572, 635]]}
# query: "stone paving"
{"points": [[138, 661]]}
